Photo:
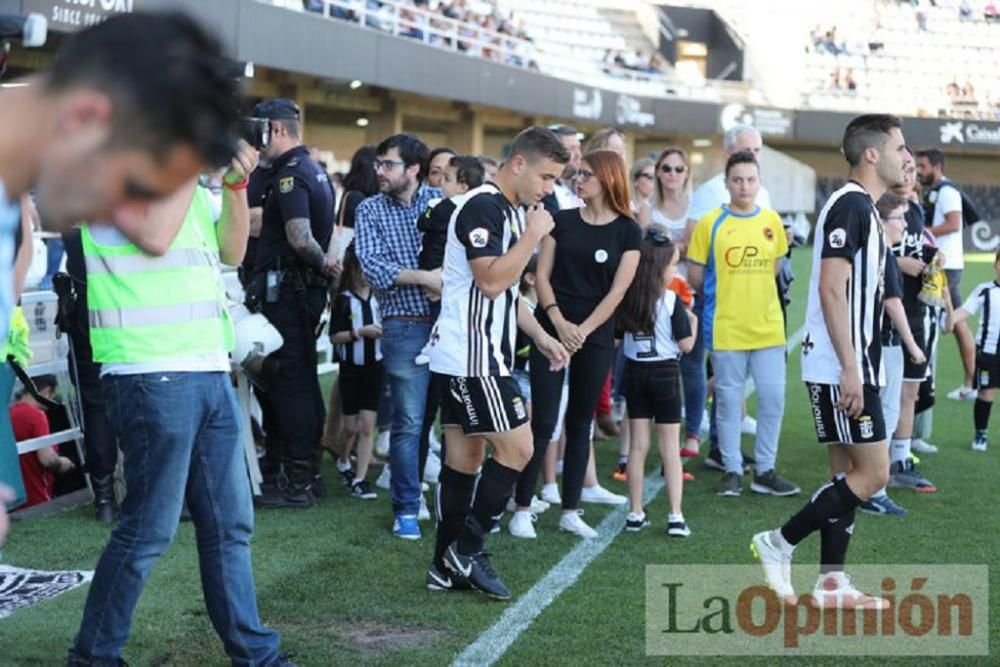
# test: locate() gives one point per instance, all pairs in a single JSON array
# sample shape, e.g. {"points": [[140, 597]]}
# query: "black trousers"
{"points": [[587, 371], [293, 409], [100, 446]]}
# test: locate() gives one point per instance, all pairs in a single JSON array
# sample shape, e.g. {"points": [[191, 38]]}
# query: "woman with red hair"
{"points": [[585, 266]]}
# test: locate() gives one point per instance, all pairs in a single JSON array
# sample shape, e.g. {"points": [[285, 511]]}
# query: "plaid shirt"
{"points": [[387, 241]]}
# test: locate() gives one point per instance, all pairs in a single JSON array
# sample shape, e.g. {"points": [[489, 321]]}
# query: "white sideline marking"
{"points": [[494, 642]]}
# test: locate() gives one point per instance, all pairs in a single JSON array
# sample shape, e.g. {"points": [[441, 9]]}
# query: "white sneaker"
{"points": [[424, 514], [748, 425], [834, 590], [601, 496], [920, 447], [435, 443], [522, 525], [963, 393], [537, 506], [384, 480], [382, 444], [432, 469], [571, 522], [777, 565], [550, 494]]}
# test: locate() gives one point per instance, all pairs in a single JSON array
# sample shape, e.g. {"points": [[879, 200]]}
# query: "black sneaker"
{"points": [[361, 489], [440, 579], [731, 484], [713, 460], [477, 570], [348, 475], [772, 484], [636, 522], [318, 486], [678, 529]]}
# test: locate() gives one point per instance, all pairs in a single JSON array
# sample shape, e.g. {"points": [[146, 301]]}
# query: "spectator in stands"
{"points": [[38, 468], [711, 194], [965, 11], [743, 328], [388, 244], [943, 215], [849, 83], [564, 193], [607, 139], [436, 165], [991, 12], [921, 7], [671, 198]]}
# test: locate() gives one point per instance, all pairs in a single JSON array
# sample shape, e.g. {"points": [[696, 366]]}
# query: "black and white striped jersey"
{"points": [[670, 324], [351, 312], [848, 227], [476, 336], [984, 300]]}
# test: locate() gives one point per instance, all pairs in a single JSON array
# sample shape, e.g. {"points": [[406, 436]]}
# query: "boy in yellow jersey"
{"points": [[732, 262]]}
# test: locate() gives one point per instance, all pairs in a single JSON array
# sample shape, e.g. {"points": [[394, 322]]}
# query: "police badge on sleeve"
{"points": [[286, 184]]}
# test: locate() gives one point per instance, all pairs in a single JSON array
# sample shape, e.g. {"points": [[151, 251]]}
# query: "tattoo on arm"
{"points": [[299, 234]]}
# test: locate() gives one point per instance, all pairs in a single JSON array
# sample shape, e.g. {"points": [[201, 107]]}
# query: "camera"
{"points": [[256, 131]]}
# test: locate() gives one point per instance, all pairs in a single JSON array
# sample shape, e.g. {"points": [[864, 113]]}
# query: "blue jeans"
{"points": [[179, 434], [732, 367], [402, 341], [694, 379]]}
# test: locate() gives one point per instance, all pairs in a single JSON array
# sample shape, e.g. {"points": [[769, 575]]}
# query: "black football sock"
{"points": [[493, 489], [453, 499], [833, 541], [832, 501], [981, 415]]}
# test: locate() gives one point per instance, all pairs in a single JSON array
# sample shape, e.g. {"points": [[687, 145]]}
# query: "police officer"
{"points": [[292, 273]]}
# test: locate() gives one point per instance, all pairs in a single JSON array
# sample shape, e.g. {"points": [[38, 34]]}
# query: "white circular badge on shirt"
{"points": [[601, 256]]}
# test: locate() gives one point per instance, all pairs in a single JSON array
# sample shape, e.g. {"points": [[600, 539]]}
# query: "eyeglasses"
{"points": [[646, 175], [388, 165], [584, 175], [658, 236], [666, 169]]}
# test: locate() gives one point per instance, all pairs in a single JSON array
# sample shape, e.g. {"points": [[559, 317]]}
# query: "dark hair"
{"points": [[867, 131], [362, 177], [469, 170], [563, 130], [933, 155], [530, 267], [167, 78], [537, 142], [741, 157], [637, 313], [351, 275], [42, 382], [411, 150], [438, 151], [609, 169], [888, 203]]}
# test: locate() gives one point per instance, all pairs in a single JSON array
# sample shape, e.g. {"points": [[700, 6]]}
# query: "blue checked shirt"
{"points": [[387, 241]]}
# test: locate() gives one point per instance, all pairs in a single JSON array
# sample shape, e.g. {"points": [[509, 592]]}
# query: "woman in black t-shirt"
{"points": [[585, 266]]}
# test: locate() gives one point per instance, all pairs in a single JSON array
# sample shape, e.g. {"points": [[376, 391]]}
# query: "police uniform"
{"points": [[293, 408]]}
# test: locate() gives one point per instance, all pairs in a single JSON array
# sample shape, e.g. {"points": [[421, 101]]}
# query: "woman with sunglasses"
{"points": [[585, 266], [671, 196]]}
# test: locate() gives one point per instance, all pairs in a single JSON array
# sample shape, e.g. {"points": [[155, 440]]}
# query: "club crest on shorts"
{"points": [[601, 256], [866, 426], [519, 408], [479, 237], [838, 238]]}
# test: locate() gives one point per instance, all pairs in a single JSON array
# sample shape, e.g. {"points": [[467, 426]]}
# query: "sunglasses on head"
{"points": [[679, 169], [658, 236]]}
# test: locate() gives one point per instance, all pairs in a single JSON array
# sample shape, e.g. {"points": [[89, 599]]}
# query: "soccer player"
{"points": [[490, 240], [842, 364], [984, 299]]}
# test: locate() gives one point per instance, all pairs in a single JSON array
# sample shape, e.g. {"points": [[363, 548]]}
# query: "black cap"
{"points": [[278, 108]]}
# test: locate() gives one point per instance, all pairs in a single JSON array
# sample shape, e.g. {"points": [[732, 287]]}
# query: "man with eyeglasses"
{"points": [[388, 246], [563, 195], [292, 275]]}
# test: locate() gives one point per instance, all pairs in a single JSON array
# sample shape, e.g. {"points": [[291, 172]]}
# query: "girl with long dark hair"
{"points": [[584, 269], [658, 329]]}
